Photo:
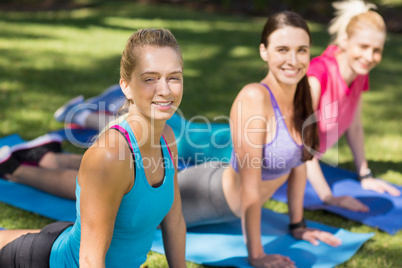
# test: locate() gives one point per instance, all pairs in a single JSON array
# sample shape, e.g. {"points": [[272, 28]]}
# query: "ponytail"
{"points": [[303, 109], [350, 15]]}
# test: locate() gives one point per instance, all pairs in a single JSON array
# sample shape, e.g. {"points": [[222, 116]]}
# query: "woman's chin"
{"points": [[162, 116]]}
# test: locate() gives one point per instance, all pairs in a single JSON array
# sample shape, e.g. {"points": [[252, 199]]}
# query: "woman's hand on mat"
{"points": [[379, 186], [314, 236], [347, 202], [271, 261]]}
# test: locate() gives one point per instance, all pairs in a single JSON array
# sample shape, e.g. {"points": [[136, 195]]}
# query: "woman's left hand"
{"points": [[379, 186], [314, 236]]}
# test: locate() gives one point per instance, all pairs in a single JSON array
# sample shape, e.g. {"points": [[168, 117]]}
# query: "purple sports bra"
{"points": [[280, 155]]}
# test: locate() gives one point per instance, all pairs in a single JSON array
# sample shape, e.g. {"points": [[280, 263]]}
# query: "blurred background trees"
{"points": [[314, 10]]}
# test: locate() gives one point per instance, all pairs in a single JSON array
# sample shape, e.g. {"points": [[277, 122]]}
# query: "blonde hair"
{"points": [[139, 39], [130, 56], [351, 15]]}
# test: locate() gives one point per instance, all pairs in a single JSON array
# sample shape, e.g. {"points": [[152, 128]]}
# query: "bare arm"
{"points": [[103, 180], [248, 146], [173, 225], [324, 192], [296, 186], [355, 138], [249, 130], [314, 172], [318, 181], [315, 90]]}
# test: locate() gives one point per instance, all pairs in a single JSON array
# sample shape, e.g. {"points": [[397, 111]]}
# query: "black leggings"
{"points": [[33, 249]]}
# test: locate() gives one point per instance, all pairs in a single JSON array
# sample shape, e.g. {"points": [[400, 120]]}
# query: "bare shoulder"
{"points": [[108, 148], [255, 92], [315, 85], [253, 99], [109, 158], [315, 89]]}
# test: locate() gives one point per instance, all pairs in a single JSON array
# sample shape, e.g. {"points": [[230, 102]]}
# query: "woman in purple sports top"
{"points": [[266, 125]]}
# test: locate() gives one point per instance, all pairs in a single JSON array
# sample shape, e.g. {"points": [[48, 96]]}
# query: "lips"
{"points": [[163, 103], [164, 106], [290, 72], [364, 65], [362, 68]]}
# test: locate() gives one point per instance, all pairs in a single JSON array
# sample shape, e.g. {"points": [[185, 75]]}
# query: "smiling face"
{"points": [[156, 85], [287, 55], [364, 50]]}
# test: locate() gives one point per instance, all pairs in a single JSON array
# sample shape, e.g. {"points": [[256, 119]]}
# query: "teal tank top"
{"points": [[141, 210]]}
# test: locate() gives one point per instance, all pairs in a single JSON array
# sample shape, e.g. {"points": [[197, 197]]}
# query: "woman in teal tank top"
{"points": [[127, 182]]}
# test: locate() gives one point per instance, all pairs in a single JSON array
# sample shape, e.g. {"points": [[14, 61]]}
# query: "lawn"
{"points": [[49, 57]]}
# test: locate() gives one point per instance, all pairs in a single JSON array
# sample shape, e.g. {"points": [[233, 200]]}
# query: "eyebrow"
{"points": [[284, 46], [156, 73]]}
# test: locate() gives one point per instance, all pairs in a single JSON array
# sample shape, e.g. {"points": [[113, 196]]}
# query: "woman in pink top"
{"points": [[337, 79]]}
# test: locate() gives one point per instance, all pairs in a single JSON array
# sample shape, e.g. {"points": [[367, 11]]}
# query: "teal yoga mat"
{"points": [[31, 199]]}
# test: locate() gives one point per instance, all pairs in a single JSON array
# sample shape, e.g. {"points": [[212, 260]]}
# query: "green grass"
{"points": [[49, 57]]}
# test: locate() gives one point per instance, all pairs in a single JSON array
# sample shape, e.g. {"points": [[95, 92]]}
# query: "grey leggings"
{"points": [[203, 201]]}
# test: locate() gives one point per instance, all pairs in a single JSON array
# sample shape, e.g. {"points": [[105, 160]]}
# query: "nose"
{"points": [[369, 55], [163, 88], [292, 58]]}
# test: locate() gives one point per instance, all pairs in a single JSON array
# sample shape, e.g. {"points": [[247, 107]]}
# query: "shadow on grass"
{"points": [[212, 79], [385, 256], [217, 76], [328, 218], [379, 167]]}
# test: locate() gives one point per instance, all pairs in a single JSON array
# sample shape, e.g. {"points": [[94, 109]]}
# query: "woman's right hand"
{"points": [[347, 202], [271, 261]]}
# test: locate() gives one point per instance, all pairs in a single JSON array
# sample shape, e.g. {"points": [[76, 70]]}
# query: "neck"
{"points": [[345, 70], [146, 130], [284, 93]]}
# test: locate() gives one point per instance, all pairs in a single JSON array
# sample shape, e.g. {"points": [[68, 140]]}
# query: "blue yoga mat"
{"points": [[79, 137], [36, 201], [223, 244], [385, 210], [31, 199]]}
